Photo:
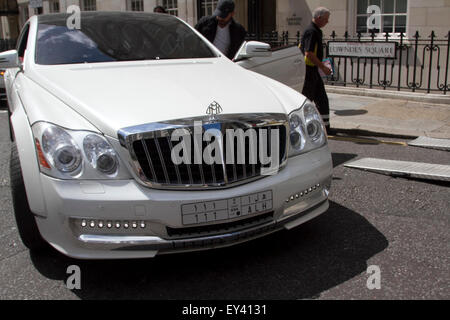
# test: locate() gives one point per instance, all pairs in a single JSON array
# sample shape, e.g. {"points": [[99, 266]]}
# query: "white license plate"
{"points": [[203, 212]]}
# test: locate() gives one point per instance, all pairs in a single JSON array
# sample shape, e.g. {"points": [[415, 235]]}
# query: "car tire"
{"points": [[25, 220], [11, 132]]}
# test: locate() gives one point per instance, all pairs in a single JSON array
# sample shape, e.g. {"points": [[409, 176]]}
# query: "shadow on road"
{"points": [[341, 158], [347, 113], [295, 264]]}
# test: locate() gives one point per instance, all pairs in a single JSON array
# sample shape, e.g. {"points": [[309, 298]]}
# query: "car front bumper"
{"points": [[146, 222]]}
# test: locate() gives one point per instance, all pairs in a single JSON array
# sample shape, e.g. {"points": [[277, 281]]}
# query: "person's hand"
{"points": [[326, 70]]}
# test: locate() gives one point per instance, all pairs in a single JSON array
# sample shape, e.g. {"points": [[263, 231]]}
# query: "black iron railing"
{"points": [[421, 63]]}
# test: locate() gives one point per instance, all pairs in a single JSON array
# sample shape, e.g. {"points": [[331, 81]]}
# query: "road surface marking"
{"points": [[432, 143], [403, 168]]}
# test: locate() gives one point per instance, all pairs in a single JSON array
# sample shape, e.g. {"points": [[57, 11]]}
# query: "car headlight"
{"points": [[60, 150], [307, 131], [100, 154], [70, 154]]}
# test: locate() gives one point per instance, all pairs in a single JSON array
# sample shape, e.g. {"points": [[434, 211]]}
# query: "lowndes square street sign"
{"points": [[362, 49]]}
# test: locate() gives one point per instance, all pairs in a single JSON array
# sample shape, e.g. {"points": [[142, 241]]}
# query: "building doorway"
{"points": [[261, 16]]}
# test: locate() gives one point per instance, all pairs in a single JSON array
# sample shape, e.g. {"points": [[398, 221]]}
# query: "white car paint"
{"points": [[106, 97]]}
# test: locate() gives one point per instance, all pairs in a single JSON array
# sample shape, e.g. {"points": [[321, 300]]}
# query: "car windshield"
{"points": [[114, 36]]}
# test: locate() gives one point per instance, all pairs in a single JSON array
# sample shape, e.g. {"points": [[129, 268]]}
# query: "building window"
{"points": [[171, 6], [89, 5], [206, 7], [54, 6], [38, 10], [135, 5], [393, 15]]}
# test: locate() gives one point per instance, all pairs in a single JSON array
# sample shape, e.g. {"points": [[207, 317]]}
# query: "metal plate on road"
{"points": [[432, 143], [403, 168]]}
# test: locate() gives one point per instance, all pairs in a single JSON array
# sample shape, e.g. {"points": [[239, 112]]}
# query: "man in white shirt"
{"points": [[221, 29]]}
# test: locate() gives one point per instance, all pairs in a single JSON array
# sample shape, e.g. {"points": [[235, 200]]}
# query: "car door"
{"points": [[286, 65]]}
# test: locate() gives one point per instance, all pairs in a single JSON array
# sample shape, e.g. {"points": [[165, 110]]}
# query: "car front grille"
{"points": [[151, 152]]}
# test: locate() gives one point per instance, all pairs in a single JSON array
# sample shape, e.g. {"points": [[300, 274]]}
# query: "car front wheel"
{"points": [[26, 222]]}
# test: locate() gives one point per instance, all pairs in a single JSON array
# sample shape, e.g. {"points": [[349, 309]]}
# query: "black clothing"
{"points": [[207, 26], [313, 87], [312, 41], [314, 90]]}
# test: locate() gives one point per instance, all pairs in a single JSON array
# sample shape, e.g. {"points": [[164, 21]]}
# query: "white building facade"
{"points": [[264, 16]]}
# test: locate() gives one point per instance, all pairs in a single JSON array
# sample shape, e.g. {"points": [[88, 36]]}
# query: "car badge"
{"points": [[213, 109]]}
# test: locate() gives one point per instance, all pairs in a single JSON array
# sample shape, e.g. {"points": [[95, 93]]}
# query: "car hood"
{"points": [[117, 95]]}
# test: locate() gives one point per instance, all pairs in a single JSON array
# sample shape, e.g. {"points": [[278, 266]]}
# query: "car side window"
{"points": [[22, 43]]}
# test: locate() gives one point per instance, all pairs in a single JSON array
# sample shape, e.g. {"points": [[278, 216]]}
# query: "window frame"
{"points": [[140, 5], [52, 4], [92, 6], [22, 42], [172, 9], [353, 21], [202, 8]]}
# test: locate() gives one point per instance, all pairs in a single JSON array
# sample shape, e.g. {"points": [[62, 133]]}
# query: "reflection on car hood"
{"points": [[122, 94]]}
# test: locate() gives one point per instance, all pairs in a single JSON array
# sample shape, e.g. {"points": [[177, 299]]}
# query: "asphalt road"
{"points": [[400, 225]]}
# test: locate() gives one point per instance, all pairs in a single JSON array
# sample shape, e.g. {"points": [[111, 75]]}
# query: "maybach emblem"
{"points": [[213, 109]]}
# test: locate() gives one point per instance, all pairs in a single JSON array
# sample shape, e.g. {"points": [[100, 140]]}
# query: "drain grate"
{"points": [[432, 143], [403, 168]]}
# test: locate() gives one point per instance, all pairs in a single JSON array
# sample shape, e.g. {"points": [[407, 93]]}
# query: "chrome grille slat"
{"points": [[234, 171], [163, 162], [213, 173], [191, 179], [177, 171], [149, 159], [202, 176]]}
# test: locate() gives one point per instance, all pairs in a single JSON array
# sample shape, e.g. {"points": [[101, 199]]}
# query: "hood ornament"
{"points": [[213, 109]]}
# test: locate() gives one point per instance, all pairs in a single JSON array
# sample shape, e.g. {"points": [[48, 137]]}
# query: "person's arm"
{"points": [[200, 24], [313, 58]]}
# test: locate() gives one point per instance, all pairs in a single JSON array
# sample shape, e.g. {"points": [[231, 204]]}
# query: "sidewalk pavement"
{"points": [[389, 117]]}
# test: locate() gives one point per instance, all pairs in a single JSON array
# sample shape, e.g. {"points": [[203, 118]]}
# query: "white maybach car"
{"points": [[92, 111]]}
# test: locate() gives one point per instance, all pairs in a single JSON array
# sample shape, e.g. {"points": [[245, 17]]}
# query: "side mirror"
{"points": [[9, 59], [253, 49]]}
